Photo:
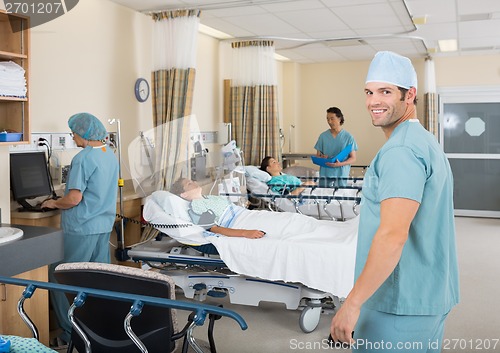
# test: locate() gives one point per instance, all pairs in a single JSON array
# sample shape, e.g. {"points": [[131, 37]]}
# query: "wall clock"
{"points": [[141, 89]]}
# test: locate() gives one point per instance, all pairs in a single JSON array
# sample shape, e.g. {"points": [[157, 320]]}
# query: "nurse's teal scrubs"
{"points": [[87, 226], [408, 311]]}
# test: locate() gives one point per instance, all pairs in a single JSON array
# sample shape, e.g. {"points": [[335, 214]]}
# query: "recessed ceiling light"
{"points": [[475, 17], [209, 31], [280, 57], [448, 45]]}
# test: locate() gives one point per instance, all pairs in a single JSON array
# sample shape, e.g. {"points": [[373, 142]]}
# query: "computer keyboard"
{"points": [[37, 208]]}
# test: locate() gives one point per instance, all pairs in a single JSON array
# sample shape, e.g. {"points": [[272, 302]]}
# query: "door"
{"points": [[470, 136]]}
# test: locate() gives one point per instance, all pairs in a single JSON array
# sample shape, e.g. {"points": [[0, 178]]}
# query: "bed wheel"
{"points": [[309, 318]]}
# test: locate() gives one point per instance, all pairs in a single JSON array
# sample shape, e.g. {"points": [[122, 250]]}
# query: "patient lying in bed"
{"points": [[276, 246], [280, 182]]}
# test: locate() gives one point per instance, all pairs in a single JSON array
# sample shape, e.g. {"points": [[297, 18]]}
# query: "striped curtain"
{"points": [[253, 101], [175, 35]]}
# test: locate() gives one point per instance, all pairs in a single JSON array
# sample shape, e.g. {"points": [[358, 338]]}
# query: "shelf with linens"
{"points": [[14, 78]]}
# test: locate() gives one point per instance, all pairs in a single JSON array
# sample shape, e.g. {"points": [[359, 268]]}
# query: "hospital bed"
{"points": [[117, 292], [333, 202], [309, 273]]}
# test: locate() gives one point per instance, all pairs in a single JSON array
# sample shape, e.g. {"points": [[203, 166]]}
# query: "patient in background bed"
{"points": [[280, 182]]}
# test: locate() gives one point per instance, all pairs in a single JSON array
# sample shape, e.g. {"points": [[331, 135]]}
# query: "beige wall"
{"points": [[468, 71]]}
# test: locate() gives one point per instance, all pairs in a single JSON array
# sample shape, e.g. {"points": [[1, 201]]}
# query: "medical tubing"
{"points": [[162, 225], [154, 225]]}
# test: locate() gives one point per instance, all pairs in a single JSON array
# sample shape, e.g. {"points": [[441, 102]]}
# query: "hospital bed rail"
{"points": [[200, 311], [312, 187], [332, 181], [298, 200]]}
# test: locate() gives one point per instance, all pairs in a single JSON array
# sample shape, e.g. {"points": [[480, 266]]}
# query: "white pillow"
{"points": [[164, 208], [256, 186], [172, 204], [255, 172]]}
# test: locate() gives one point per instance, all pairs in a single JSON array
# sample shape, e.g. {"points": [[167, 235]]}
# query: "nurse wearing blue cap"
{"points": [[88, 204], [406, 275]]}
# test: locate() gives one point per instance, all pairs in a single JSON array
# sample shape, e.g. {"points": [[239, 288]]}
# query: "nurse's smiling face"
{"points": [[386, 104]]}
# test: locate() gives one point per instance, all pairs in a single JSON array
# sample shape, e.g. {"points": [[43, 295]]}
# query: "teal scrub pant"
{"points": [[382, 332], [77, 248]]}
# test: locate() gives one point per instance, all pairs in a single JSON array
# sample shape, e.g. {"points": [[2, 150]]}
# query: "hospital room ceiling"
{"points": [[313, 31]]}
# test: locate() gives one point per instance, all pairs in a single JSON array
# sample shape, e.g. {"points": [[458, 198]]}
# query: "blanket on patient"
{"points": [[317, 253]]}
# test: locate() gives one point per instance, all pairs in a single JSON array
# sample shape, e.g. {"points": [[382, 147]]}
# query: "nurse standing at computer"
{"points": [[88, 205], [336, 142]]}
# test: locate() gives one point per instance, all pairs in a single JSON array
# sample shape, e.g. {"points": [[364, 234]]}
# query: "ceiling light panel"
{"points": [[447, 45], [226, 27], [475, 17]]}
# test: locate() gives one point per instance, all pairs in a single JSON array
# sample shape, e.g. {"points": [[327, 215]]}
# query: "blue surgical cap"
{"points": [[392, 68], [87, 126]]}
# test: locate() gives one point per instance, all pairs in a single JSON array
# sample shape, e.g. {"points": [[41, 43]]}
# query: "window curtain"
{"points": [[253, 100], [430, 103], [175, 43]]}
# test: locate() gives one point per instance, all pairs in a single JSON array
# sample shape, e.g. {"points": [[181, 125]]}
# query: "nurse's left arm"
{"points": [[71, 199], [396, 215]]}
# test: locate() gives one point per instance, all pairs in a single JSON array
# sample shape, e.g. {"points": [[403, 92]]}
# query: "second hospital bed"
{"points": [[305, 269], [332, 203]]}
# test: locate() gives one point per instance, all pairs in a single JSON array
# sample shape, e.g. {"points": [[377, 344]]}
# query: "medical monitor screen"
{"points": [[29, 176]]}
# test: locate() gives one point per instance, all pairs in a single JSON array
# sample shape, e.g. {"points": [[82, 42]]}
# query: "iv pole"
{"points": [[120, 255], [290, 138]]}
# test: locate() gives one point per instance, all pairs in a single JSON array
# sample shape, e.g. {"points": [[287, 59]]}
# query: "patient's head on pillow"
{"points": [[186, 188], [177, 187], [271, 165]]}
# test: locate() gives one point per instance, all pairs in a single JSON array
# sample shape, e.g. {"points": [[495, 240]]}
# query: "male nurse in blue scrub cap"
{"points": [[406, 276], [88, 205]]}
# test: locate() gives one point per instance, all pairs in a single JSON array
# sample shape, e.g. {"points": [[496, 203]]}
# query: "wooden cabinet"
{"points": [[14, 46], [37, 307], [39, 219]]}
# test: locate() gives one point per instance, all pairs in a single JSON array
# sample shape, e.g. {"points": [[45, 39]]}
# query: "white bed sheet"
{"points": [[317, 253], [296, 248]]}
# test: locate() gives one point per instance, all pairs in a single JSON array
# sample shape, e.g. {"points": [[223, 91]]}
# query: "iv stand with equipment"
{"points": [[120, 252]]}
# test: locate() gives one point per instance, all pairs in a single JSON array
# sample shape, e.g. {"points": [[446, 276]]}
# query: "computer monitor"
{"points": [[29, 176]]}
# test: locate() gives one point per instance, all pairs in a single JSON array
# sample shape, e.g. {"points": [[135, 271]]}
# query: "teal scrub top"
{"points": [[412, 165], [93, 171], [332, 146], [279, 182]]}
